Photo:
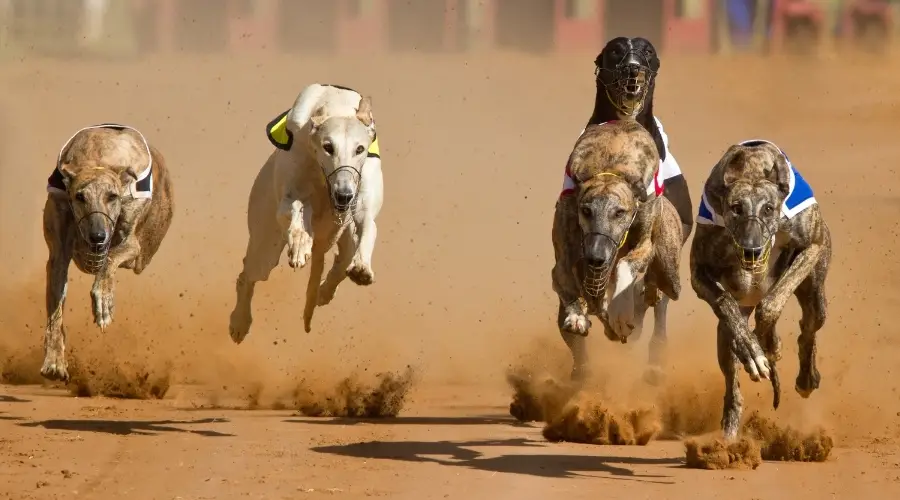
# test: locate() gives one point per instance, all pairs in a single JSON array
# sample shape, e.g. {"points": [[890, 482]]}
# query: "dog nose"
{"points": [[752, 253], [97, 237], [596, 261], [343, 198]]}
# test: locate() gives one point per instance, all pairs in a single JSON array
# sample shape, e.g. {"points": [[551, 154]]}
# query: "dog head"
{"points": [[340, 145], [95, 194], [626, 69], [755, 181], [606, 209], [622, 147]]}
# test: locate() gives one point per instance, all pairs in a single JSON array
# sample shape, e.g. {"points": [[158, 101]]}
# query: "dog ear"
{"points": [[364, 113], [127, 175], [317, 119], [733, 165], [67, 173], [780, 174]]}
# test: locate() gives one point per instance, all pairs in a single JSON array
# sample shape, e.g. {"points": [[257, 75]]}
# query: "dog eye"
{"points": [[736, 209], [619, 213], [80, 197], [586, 211], [111, 197], [360, 150], [769, 209], [328, 147]]}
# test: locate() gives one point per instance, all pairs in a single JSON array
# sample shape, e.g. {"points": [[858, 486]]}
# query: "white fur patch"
{"points": [[620, 311]]}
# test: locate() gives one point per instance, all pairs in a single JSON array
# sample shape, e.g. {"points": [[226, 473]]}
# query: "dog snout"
{"points": [[343, 197], [97, 236], [598, 251], [752, 253]]}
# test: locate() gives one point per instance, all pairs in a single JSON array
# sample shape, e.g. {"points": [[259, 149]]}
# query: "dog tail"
{"points": [[776, 386]]}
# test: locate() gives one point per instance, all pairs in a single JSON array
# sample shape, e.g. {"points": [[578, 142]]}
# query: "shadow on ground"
{"points": [[542, 465], [128, 427], [476, 420], [13, 399]]}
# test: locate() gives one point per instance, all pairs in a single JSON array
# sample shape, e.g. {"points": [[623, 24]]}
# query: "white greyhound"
{"points": [[324, 188]]}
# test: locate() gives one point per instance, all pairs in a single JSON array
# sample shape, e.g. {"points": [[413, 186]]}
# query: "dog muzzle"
{"points": [[96, 256], [597, 277], [629, 84], [343, 206], [755, 259]]}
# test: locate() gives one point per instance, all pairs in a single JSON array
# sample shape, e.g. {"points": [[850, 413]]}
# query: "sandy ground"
{"points": [[473, 150]]}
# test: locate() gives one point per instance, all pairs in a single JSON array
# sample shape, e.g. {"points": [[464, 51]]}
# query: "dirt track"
{"points": [[473, 150]]}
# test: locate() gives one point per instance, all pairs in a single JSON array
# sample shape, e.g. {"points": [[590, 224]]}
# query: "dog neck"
{"points": [[604, 111]]}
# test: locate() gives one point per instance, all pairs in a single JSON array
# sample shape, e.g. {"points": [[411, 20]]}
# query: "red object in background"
{"points": [[786, 12], [577, 34], [683, 32], [859, 12], [362, 30]]}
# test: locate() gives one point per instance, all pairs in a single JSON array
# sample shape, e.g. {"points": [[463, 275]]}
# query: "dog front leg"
{"points": [[770, 307], [620, 313], [55, 366], [296, 222], [317, 267], [744, 345], [360, 270], [102, 293]]}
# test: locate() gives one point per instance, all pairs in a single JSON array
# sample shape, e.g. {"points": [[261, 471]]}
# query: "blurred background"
{"points": [[137, 27]]}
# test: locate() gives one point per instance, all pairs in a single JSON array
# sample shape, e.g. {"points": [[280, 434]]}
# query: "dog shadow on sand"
{"points": [[130, 427], [459, 454]]}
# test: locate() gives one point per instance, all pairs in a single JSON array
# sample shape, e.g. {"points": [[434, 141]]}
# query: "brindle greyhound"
{"points": [[625, 75], [109, 206], [760, 238], [611, 221]]}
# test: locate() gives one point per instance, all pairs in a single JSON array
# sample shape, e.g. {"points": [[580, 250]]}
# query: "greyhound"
{"points": [[610, 222], [760, 238], [109, 205], [324, 189], [625, 74]]}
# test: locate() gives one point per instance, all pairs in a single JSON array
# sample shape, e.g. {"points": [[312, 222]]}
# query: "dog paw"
{"points": [[299, 249], [577, 324], [361, 274], [325, 296], [239, 327], [103, 307], [55, 368], [807, 382]]}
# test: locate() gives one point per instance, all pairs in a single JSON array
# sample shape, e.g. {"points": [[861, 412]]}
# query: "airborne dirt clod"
{"points": [[716, 454], [787, 444], [762, 439], [354, 398], [585, 419]]}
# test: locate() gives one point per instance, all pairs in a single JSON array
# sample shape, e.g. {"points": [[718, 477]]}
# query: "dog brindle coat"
{"points": [[612, 164], [97, 167], [751, 182]]}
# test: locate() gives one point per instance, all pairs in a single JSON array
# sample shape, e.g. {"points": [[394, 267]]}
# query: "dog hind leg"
{"points": [[658, 342], [263, 253], [60, 244], [814, 307], [338, 271], [734, 402], [316, 268]]}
